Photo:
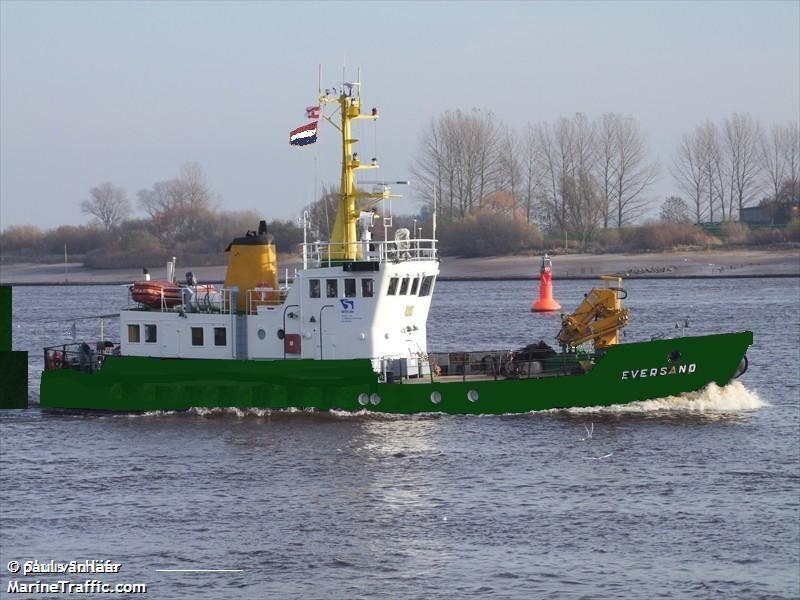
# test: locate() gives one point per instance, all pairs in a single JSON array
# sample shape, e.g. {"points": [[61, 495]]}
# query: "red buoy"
{"points": [[546, 302]]}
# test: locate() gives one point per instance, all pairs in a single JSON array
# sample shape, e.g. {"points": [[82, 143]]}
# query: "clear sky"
{"points": [[128, 92]]}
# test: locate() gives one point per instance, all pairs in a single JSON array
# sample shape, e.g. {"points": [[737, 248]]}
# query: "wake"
{"points": [[734, 397]]}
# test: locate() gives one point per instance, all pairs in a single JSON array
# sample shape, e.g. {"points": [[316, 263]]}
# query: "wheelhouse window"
{"points": [[404, 286], [133, 334], [349, 288], [313, 288], [197, 336], [392, 286], [332, 288], [150, 334], [414, 286], [220, 336], [367, 288], [427, 286]]}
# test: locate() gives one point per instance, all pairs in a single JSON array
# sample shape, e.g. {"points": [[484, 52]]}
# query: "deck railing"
{"points": [[325, 254], [491, 364], [79, 356]]}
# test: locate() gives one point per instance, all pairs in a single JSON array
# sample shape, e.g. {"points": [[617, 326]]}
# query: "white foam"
{"points": [[245, 412], [734, 397]]}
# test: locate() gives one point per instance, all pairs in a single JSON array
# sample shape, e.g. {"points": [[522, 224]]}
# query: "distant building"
{"points": [[755, 215], [770, 213]]}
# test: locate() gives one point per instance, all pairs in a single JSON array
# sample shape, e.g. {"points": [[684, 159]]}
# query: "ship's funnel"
{"points": [[252, 264]]}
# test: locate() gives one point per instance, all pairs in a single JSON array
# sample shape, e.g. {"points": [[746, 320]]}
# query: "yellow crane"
{"points": [[599, 318]]}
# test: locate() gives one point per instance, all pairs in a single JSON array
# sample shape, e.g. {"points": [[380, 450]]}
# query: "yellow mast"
{"points": [[344, 238]]}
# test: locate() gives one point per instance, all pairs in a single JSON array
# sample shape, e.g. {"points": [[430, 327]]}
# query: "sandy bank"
{"points": [[715, 263]]}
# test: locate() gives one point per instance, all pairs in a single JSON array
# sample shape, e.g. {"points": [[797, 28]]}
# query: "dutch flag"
{"points": [[307, 134]]}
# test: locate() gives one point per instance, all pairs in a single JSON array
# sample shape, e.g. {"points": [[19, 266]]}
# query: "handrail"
{"points": [[321, 254], [497, 364]]}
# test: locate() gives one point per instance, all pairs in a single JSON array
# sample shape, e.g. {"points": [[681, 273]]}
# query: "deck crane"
{"points": [[599, 318]]}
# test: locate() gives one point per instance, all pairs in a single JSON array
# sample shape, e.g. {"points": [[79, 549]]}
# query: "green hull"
{"points": [[627, 373]]}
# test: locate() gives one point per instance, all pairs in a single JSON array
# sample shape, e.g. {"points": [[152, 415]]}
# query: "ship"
{"points": [[349, 331]]}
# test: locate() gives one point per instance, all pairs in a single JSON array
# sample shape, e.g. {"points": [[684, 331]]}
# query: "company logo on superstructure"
{"points": [[660, 371]]}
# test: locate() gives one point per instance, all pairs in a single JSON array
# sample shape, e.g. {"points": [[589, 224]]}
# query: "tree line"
{"points": [[579, 180], [578, 175], [182, 218], [724, 167]]}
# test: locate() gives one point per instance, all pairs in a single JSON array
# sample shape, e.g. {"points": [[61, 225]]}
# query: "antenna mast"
{"points": [[344, 240]]}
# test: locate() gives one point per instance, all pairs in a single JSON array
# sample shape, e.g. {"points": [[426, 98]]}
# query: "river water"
{"points": [[694, 497]]}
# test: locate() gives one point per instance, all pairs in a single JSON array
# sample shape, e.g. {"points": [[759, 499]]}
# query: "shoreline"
{"points": [[704, 264]]}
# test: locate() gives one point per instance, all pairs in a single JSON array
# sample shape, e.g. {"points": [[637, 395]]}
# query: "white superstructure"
{"points": [[373, 308]]}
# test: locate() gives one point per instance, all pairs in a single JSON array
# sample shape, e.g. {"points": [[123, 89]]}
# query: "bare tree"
{"points": [[741, 136], [158, 199], [773, 156], [633, 173], [108, 204], [675, 210], [552, 213], [459, 153], [177, 206], [607, 157], [531, 174], [567, 153], [708, 137], [688, 171], [509, 167], [792, 159], [581, 204]]}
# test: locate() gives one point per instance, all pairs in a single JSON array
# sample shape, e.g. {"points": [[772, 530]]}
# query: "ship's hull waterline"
{"points": [[627, 373]]}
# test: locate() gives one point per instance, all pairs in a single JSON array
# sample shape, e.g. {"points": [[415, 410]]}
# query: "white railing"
{"points": [[322, 254], [265, 296]]}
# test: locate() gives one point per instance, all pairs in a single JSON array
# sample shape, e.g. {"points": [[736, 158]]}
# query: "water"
{"points": [[691, 497]]}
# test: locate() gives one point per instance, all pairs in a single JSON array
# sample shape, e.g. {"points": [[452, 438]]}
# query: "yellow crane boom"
{"points": [[599, 318]]}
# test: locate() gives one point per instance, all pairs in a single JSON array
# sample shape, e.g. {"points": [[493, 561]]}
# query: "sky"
{"points": [[128, 92]]}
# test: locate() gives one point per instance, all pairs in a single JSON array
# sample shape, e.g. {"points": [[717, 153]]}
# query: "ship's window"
{"points": [[332, 288], [392, 286], [427, 286], [220, 336], [349, 288], [414, 286], [150, 334], [313, 288], [133, 334], [197, 336], [404, 286], [367, 288]]}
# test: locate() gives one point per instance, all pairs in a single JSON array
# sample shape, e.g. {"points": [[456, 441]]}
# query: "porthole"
{"points": [[363, 399], [281, 334], [436, 397], [375, 399], [473, 395], [261, 334]]}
